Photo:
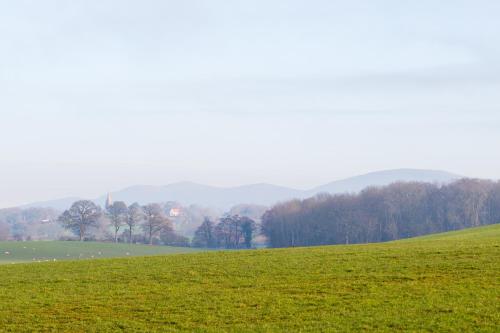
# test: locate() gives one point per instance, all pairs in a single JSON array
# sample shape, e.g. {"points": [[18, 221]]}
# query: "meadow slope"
{"points": [[446, 283]]}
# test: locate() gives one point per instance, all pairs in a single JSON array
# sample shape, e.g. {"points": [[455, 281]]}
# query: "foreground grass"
{"points": [[15, 252], [443, 283]]}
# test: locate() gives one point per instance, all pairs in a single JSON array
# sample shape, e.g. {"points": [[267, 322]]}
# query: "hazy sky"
{"points": [[96, 95]]}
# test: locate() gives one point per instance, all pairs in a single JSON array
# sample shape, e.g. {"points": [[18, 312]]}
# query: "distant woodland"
{"points": [[119, 222], [379, 214], [376, 214], [29, 224]]}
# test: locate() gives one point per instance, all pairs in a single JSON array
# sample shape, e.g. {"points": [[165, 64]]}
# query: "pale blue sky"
{"points": [[99, 95]]}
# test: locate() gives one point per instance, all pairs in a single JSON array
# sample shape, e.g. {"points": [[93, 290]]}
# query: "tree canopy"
{"points": [[80, 217], [380, 214]]}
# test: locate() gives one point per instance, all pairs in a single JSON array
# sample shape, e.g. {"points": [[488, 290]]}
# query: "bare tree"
{"points": [[223, 232], [134, 217], [154, 220], [168, 236], [248, 227], [117, 214], [205, 235], [232, 232], [80, 217]]}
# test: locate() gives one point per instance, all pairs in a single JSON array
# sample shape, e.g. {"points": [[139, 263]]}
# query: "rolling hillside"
{"points": [[446, 283]]}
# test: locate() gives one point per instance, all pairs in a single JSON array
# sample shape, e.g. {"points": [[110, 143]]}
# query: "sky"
{"points": [[97, 95]]}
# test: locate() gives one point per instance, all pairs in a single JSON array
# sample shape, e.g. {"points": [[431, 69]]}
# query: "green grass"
{"points": [[15, 252], [440, 283]]}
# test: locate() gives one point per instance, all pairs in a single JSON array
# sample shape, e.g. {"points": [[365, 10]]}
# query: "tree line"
{"points": [[230, 232], [376, 214], [380, 214], [32, 223], [84, 218]]}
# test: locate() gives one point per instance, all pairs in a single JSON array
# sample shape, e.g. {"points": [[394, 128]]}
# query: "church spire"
{"points": [[109, 201]]}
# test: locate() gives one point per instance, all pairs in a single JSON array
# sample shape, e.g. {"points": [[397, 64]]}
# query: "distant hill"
{"points": [[188, 193], [192, 193], [386, 177], [57, 204]]}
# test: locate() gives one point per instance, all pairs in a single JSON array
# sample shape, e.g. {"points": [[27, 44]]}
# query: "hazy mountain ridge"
{"points": [[381, 178], [188, 193]]}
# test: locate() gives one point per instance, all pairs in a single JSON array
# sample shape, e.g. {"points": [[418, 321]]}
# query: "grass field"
{"points": [[15, 252], [439, 283]]}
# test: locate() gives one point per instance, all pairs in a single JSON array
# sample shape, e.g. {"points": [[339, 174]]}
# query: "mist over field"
{"points": [[249, 166], [96, 96]]}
